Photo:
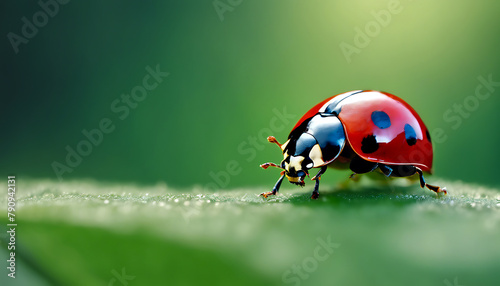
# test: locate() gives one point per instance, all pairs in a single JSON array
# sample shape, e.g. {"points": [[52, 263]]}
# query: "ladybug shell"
{"points": [[379, 127]]}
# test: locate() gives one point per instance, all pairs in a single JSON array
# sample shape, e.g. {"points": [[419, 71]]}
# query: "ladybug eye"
{"points": [[309, 166], [283, 164]]}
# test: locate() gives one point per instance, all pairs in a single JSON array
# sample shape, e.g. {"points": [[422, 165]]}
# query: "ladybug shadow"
{"points": [[366, 195]]}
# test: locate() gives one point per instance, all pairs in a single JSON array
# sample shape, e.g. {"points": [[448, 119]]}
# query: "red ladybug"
{"points": [[365, 130]]}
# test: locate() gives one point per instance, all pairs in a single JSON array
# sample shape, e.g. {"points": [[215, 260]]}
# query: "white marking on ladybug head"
{"points": [[316, 155], [296, 163], [283, 146]]}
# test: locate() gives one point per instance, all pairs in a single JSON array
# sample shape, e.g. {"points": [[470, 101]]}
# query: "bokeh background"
{"points": [[231, 65], [227, 76]]}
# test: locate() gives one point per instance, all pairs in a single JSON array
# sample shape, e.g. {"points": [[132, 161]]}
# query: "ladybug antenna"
{"points": [[267, 165], [272, 139]]}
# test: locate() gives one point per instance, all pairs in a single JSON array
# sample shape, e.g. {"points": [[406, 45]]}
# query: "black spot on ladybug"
{"points": [[369, 144], [381, 119], [428, 135], [410, 135]]}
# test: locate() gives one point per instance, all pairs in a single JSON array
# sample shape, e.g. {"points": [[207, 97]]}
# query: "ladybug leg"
{"points": [[269, 164], [386, 170], [423, 184], [276, 187], [315, 193]]}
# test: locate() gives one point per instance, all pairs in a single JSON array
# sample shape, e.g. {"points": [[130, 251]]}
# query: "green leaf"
{"points": [[90, 233]]}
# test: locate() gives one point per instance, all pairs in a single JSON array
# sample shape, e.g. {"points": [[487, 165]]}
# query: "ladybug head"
{"points": [[300, 155], [315, 143], [294, 171]]}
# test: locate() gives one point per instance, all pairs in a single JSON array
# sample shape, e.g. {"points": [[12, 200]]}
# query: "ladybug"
{"points": [[364, 130]]}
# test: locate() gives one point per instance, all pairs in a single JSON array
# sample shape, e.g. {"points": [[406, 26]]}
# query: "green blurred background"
{"points": [[227, 76], [234, 66]]}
